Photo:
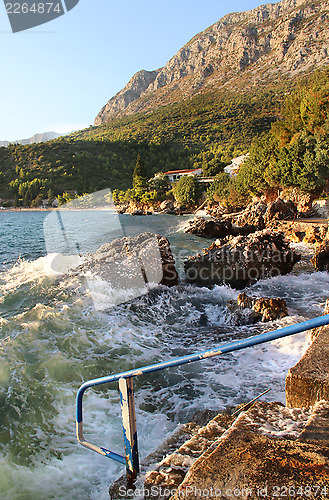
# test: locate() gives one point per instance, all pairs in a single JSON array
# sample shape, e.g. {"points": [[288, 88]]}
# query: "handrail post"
{"points": [[129, 427]]}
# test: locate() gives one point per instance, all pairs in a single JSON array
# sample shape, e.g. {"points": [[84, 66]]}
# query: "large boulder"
{"points": [[260, 214], [126, 268], [241, 261]]}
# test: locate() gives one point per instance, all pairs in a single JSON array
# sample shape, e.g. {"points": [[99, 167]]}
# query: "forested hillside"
{"points": [[204, 131], [295, 153]]}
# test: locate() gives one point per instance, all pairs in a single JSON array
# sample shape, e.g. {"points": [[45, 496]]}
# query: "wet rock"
{"points": [[264, 309], [164, 480], [169, 272], [241, 261], [209, 228], [131, 264], [320, 260]]}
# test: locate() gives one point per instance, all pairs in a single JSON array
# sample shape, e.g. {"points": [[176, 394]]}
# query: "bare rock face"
{"points": [[255, 466], [253, 215], [241, 261], [130, 93], [260, 214], [286, 38]]}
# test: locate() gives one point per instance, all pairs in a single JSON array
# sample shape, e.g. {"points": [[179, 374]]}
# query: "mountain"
{"points": [[272, 43], [37, 138]]}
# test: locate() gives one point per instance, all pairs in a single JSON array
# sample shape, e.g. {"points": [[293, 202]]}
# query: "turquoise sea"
{"points": [[52, 339]]}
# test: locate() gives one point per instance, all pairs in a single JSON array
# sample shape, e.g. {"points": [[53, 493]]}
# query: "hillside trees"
{"points": [[295, 151]]}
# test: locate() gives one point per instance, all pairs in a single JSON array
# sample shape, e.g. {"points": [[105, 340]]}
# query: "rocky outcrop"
{"points": [[241, 261], [261, 214], [209, 228], [308, 381], [280, 210], [239, 51], [321, 257], [309, 232], [260, 309], [278, 465], [322, 208], [218, 228], [129, 94], [169, 272], [130, 265], [171, 471]]}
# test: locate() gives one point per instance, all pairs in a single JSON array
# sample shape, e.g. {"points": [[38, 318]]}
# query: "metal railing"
{"points": [[125, 379]]}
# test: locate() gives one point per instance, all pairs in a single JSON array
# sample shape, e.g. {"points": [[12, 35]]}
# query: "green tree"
{"points": [[220, 188], [187, 190], [139, 175]]}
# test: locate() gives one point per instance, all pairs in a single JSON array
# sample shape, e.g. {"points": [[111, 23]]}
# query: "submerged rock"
{"points": [[261, 309], [241, 261]]}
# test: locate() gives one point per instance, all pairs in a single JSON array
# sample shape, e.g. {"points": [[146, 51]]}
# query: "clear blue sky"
{"points": [[58, 76]]}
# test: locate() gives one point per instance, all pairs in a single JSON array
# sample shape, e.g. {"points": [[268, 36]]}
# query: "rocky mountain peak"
{"points": [[264, 44]]}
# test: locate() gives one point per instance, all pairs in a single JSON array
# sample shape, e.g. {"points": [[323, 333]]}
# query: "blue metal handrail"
{"points": [[127, 394]]}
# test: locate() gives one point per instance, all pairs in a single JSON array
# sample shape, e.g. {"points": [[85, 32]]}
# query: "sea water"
{"points": [[53, 339]]}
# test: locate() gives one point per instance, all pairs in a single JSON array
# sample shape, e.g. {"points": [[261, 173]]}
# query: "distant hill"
{"points": [[37, 138], [271, 43]]}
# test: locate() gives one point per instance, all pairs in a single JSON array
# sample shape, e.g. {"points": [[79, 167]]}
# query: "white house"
{"points": [[175, 175], [233, 169]]}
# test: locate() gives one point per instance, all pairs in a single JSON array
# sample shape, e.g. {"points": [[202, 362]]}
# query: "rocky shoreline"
{"points": [[287, 445]]}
